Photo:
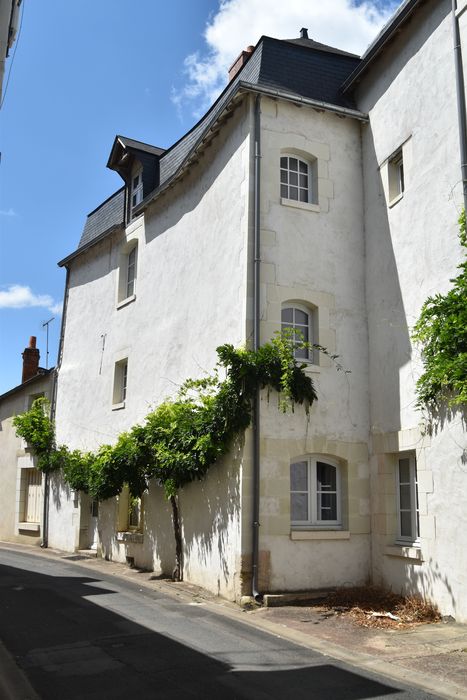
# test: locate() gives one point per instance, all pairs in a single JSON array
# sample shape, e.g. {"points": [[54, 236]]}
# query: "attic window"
{"points": [[136, 189]]}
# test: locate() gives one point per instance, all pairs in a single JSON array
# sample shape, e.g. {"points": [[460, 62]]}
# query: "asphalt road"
{"points": [[80, 637]]}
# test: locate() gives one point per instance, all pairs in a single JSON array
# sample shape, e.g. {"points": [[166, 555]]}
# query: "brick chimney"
{"points": [[30, 360], [240, 62]]}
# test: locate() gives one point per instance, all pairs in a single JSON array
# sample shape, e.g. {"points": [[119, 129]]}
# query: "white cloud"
{"points": [[17, 296], [7, 212], [239, 23]]}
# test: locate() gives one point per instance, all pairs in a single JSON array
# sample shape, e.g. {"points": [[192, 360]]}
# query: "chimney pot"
{"points": [[304, 33], [31, 357]]}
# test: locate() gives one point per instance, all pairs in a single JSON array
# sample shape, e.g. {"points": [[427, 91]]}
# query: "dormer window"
{"points": [[136, 188]]}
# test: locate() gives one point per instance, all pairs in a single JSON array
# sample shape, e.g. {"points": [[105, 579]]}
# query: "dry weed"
{"points": [[366, 604]]}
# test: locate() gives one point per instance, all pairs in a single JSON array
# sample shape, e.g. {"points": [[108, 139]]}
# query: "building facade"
{"points": [[347, 171], [22, 492]]}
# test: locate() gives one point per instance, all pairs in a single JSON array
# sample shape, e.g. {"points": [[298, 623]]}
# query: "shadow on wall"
{"points": [[389, 338], [71, 645], [210, 512], [429, 582], [59, 489], [443, 416]]}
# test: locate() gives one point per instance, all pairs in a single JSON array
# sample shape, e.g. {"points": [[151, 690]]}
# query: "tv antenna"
{"points": [[46, 324]]}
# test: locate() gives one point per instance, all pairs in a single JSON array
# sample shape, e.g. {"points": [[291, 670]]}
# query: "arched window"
{"points": [[296, 179], [315, 492], [300, 320]]}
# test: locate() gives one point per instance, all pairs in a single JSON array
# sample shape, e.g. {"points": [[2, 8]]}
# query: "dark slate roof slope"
{"points": [[177, 153], [109, 214], [312, 44], [307, 70], [141, 146]]}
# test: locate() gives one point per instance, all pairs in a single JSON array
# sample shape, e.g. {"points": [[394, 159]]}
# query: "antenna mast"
{"points": [[46, 324]]}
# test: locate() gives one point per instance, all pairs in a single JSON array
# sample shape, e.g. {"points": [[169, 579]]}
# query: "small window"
{"points": [[120, 383], [300, 320], [32, 495], [127, 274], [396, 176], [315, 492], [407, 500], [136, 189], [130, 512], [131, 273], [295, 179]]}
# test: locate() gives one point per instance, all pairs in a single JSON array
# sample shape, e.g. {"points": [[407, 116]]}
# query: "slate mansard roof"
{"points": [[300, 68]]}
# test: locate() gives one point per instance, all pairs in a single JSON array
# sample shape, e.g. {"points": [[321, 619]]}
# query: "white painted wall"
{"points": [[14, 456], [316, 257], [412, 252], [190, 298]]}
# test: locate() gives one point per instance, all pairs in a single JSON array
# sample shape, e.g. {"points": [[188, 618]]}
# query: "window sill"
{"points": [[30, 527], [132, 537], [307, 206], [404, 552], [395, 200], [319, 535], [118, 406], [125, 302], [311, 368]]}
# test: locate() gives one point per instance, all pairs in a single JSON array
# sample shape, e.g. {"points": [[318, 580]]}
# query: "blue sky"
{"points": [[84, 72]]}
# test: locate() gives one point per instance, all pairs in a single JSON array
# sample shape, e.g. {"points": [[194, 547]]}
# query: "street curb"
{"points": [[14, 684], [358, 660]]}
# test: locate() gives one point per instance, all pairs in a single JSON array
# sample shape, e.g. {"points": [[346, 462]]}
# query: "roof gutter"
{"points": [[461, 107], [308, 101]]}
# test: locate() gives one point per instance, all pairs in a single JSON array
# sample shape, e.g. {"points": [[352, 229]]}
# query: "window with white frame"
{"points": [[120, 383], [296, 179], [131, 273], [32, 479], [128, 270], [136, 188], [300, 320], [396, 176], [407, 500], [315, 492]]}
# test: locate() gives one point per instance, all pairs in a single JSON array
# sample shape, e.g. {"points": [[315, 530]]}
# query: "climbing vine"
{"points": [[441, 331], [182, 437]]}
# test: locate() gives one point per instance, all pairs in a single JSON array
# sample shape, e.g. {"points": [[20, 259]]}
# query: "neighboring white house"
{"points": [[22, 492], [358, 182]]}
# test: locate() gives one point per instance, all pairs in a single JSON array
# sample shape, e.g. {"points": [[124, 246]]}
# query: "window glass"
{"points": [[295, 179], [300, 321], [407, 499], [314, 493]]}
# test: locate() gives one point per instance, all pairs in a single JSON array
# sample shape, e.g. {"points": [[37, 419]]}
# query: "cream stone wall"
{"points": [[412, 251], [15, 460], [313, 254], [190, 297]]}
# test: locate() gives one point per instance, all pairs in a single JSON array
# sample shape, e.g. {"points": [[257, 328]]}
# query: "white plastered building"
{"points": [[345, 172]]}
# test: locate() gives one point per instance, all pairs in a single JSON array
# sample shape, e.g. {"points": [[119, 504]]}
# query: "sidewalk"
{"points": [[432, 657]]}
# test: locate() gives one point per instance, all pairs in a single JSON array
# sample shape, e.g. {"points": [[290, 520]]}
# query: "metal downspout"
{"points": [[53, 403], [461, 109], [256, 342]]}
